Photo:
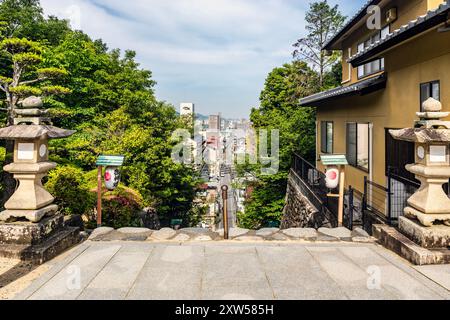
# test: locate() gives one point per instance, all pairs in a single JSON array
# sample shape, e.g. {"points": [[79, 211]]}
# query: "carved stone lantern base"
{"points": [[37, 242], [428, 219], [30, 215]]}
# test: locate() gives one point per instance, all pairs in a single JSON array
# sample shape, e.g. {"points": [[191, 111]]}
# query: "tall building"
{"points": [[187, 109], [214, 122]]}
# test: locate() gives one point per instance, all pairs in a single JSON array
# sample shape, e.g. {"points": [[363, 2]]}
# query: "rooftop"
{"points": [[423, 23], [354, 20], [363, 87]]}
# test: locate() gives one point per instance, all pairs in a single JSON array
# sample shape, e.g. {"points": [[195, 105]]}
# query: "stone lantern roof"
{"points": [[33, 132], [421, 135], [430, 128]]}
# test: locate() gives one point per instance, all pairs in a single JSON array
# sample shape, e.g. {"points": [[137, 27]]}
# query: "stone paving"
{"points": [[236, 234], [266, 270]]}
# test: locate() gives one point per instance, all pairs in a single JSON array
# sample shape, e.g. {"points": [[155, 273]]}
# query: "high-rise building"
{"points": [[187, 109], [214, 122]]}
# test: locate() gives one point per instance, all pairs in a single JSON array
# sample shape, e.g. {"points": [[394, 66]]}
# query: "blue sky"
{"points": [[215, 53]]}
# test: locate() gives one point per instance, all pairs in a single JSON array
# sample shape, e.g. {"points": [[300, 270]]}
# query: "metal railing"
{"points": [[312, 177], [376, 199], [389, 202]]}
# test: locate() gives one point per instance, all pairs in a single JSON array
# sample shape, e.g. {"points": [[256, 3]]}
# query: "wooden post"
{"points": [[99, 196], [341, 195]]}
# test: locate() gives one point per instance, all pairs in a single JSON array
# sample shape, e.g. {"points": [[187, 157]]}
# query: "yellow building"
{"points": [[388, 71]]}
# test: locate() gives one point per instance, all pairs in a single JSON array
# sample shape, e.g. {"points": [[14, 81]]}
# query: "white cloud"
{"points": [[198, 49]]}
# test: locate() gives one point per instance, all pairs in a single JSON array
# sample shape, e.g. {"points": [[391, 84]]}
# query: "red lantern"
{"points": [[332, 177], [112, 177]]}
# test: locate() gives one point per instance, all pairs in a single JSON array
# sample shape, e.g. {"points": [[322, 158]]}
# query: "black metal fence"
{"points": [[389, 202]]}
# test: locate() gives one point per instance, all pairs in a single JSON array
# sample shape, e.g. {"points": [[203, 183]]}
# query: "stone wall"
{"points": [[302, 209]]}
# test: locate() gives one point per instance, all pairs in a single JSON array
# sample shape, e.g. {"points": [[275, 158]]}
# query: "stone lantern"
{"points": [[30, 217], [431, 137]]}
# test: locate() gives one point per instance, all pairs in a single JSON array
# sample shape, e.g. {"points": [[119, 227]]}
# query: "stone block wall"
{"points": [[299, 211]]}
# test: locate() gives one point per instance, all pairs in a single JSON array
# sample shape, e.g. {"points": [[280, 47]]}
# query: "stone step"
{"points": [[26, 233], [395, 241], [52, 247]]}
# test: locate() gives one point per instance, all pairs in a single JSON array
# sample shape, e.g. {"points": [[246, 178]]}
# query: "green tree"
{"points": [[323, 21], [110, 103], [279, 110], [19, 81], [24, 19]]}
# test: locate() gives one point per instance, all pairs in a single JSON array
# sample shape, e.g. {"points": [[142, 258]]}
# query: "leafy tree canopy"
{"points": [[106, 97]]}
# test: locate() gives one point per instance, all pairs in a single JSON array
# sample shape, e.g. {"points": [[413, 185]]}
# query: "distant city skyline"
{"points": [[216, 54]]}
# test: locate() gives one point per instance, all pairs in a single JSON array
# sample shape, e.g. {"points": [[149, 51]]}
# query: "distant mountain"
{"points": [[200, 116]]}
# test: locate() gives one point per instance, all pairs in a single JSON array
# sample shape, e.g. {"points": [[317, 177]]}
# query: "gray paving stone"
{"points": [[234, 232], [70, 282], [100, 232], [203, 237], [145, 231], [363, 239], [359, 232], [397, 282], [353, 280], [278, 237], [163, 234], [182, 237], [195, 230], [309, 282], [249, 238], [266, 232], [171, 272], [236, 292], [301, 233], [324, 238], [114, 281], [233, 268], [340, 233], [439, 274], [236, 270]]}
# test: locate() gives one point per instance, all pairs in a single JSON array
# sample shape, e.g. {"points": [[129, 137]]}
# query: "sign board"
{"points": [[110, 161], [333, 160], [176, 222], [273, 224]]}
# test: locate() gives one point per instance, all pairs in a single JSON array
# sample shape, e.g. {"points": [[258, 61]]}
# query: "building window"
{"points": [[376, 65], [358, 145], [326, 137], [428, 90]]}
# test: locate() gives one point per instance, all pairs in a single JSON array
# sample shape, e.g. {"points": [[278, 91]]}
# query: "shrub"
{"points": [[67, 184], [120, 211], [120, 208]]}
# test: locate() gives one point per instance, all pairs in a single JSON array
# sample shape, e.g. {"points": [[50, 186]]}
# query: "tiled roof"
{"points": [[364, 86], [353, 20], [429, 20]]}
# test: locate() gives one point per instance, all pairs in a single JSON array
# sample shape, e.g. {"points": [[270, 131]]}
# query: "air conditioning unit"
{"points": [[391, 15]]}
